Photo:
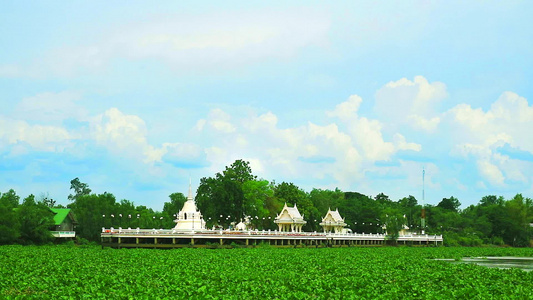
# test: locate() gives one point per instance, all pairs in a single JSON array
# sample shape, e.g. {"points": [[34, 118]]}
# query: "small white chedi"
{"points": [[189, 218]]}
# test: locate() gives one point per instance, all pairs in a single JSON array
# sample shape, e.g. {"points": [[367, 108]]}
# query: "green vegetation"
{"points": [[90, 272], [229, 196]]}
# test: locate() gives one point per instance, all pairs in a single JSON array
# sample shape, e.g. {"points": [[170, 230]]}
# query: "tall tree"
{"points": [[258, 197], [36, 220], [9, 223], [79, 188], [221, 198], [94, 212], [451, 203]]}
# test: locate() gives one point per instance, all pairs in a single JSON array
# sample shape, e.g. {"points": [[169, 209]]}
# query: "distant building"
{"points": [[333, 222], [189, 218], [289, 219], [64, 223]]}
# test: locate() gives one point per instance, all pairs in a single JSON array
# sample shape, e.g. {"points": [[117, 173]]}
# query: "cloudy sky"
{"points": [[134, 98]]}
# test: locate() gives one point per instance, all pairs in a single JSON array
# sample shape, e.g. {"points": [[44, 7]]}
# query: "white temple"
{"points": [[333, 222], [289, 219], [189, 218]]}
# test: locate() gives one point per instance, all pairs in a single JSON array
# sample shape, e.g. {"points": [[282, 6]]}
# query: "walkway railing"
{"points": [[172, 232]]}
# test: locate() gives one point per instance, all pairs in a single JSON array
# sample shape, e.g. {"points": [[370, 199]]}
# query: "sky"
{"points": [[134, 98]]}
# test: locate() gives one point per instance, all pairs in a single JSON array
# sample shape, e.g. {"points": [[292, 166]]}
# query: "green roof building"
{"points": [[64, 223]]}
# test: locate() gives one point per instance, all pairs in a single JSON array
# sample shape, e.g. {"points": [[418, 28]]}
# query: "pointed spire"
{"points": [[190, 189]]}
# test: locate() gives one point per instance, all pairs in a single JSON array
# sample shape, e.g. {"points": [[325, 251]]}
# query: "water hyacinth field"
{"points": [[55, 272]]}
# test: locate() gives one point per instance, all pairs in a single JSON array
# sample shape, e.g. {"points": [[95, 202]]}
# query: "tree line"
{"points": [[236, 193]]}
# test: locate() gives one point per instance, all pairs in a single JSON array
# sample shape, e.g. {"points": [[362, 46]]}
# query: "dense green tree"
{"points": [[393, 221], [9, 223], [411, 210], [94, 212], [258, 197], [518, 231], [79, 188], [221, 198], [451, 203], [36, 220], [361, 212], [10, 198], [326, 199]]}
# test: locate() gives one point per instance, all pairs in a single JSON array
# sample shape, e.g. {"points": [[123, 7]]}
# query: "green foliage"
{"points": [[36, 220], [56, 272], [79, 188], [451, 203], [9, 223]]}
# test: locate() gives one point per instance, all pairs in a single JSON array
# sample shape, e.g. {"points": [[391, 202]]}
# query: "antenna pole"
{"points": [[423, 216]]}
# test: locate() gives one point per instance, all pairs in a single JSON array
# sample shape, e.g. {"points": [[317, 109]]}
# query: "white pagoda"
{"points": [[189, 218], [333, 222], [289, 219]]}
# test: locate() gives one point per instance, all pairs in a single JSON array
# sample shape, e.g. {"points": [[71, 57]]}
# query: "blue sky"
{"points": [[135, 98]]}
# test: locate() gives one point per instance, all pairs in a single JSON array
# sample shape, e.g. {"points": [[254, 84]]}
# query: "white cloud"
{"points": [[124, 134], [206, 41], [409, 102], [220, 121], [490, 172], [401, 144], [50, 107], [39, 137], [481, 134], [308, 151], [346, 110]]}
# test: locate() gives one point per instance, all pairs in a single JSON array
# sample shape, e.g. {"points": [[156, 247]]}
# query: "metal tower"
{"points": [[423, 216]]}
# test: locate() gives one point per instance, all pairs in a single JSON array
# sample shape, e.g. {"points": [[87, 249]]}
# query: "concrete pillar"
{"points": [[136, 240], [173, 241], [221, 241], [192, 241], [246, 242]]}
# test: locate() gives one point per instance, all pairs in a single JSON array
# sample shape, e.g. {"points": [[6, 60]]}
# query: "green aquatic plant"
{"points": [[54, 272]]}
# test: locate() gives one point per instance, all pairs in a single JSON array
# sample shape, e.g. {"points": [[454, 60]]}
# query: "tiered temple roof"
{"points": [[333, 221], [290, 219]]}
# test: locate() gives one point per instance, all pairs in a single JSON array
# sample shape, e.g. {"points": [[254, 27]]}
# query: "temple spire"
{"points": [[190, 190]]}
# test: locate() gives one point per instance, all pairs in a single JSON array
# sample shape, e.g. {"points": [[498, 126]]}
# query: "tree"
{"points": [[36, 220], [80, 189], [291, 194], [326, 199], [9, 223], [361, 212], [518, 231], [11, 198], [221, 198], [411, 209], [451, 203], [258, 197], [94, 212], [240, 171], [393, 221]]}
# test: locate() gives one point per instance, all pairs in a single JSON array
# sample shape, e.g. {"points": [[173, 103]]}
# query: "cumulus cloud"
{"points": [[38, 137], [482, 134], [341, 150], [124, 134], [413, 102]]}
